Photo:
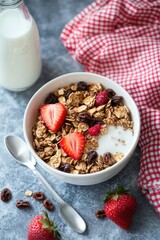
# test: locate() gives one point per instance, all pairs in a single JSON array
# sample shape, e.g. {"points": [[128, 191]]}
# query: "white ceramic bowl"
{"points": [[38, 98]]}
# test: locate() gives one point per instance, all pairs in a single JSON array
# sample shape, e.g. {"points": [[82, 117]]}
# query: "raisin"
{"points": [[107, 157], [67, 93], [116, 100], [6, 195], [22, 204], [82, 86], [39, 196], [48, 205], [87, 118], [100, 214], [91, 157], [96, 121], [51, 99], [110, 93], [65, 167]]}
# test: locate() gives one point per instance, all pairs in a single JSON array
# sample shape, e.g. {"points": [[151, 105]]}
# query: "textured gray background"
{"points": [[51, 16]]}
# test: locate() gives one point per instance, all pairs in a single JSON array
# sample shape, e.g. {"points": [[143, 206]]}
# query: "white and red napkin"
{"points": [[120, 39]]}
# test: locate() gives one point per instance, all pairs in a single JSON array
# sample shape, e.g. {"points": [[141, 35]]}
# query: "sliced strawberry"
{"points": [[73, 144], [53, 115]]}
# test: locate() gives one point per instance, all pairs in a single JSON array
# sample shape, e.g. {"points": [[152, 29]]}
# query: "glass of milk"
{"points": [[20, 57]]}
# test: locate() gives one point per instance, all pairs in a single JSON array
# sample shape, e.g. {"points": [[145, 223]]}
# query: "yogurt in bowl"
{"points": [[105, 153]]}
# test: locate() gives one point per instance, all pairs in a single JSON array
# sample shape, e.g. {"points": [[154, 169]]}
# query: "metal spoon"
{"points": [[18, 148]]}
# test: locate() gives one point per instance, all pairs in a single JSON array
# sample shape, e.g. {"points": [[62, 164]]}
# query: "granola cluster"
{"points": [[82, 113]]}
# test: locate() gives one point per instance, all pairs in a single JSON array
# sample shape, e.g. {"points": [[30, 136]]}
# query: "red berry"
{"points": [[94, 131], [42, 228], [53, 115], [73, 144], [101, 98], [119, 207]]}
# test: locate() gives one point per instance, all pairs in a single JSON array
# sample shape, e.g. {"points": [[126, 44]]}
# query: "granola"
{"points": [[82, 113]]}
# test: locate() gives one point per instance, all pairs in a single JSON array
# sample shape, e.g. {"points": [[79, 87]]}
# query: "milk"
{"points": [[20, 60], [117, 139]]}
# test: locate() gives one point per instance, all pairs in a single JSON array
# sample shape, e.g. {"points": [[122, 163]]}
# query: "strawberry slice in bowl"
{"points": [[53, 115], [73, 144]]}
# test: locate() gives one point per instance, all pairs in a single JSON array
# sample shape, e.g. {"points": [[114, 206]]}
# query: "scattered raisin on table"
{"points": [[48, 205], [100, 214], [6, 195], [39, 196], [22, 204]]}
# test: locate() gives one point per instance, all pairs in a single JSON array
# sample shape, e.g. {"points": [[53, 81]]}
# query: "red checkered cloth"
{"points": [[120, 39]]}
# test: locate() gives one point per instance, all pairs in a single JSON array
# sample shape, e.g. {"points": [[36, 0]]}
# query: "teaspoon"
{"points": [[18, 149]]}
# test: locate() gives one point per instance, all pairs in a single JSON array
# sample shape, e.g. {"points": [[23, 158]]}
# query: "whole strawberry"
{"points": [[119, 207], [42, 228]]}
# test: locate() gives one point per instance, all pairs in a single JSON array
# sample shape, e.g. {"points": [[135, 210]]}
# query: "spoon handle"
{"points": [[49, 188]]}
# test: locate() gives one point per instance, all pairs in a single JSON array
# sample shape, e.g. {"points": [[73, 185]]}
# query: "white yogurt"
{"points": [[116, 140], [20, 60]]}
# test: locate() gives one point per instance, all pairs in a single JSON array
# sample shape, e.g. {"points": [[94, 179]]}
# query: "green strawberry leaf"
{"points": [[115, 193], [47, 223]]}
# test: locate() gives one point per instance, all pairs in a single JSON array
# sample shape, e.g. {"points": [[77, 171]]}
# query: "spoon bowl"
{"points": [[18, 149]]}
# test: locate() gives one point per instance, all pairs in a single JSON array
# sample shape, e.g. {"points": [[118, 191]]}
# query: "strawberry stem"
{"points": [[47, 223], [116, 193]]}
